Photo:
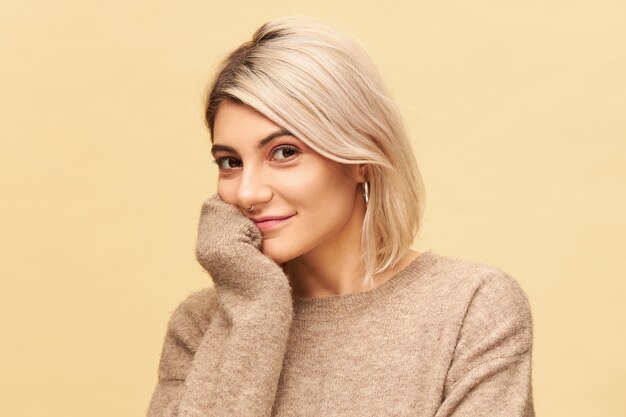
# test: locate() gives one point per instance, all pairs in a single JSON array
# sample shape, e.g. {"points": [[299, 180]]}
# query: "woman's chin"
{"points": [[279, 258]]}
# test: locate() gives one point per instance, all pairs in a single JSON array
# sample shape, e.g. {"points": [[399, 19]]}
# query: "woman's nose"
{"points": [[253, 189]]}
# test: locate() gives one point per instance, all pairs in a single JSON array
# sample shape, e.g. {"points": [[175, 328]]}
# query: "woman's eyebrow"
{"points": [[260, 145]]}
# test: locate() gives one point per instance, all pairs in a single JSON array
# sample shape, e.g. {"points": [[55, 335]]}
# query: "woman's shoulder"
{"points": [[198, 299], [479, 285], [451, 271], [488, 310]]}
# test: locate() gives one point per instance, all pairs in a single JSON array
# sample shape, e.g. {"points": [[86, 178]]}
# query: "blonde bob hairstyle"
{"points": [[322, 86]]}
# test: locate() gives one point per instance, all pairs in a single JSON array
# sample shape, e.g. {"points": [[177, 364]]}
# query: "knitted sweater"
{"points": [[443, 337]]}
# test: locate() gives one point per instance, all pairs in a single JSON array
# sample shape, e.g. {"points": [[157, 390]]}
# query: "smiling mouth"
{"points": [[271, 224]]}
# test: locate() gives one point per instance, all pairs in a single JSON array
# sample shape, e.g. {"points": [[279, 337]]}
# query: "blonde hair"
{"points": [[321, 85]]}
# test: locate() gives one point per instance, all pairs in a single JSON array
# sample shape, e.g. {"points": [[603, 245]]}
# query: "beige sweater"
{"points": [[443, 337]]}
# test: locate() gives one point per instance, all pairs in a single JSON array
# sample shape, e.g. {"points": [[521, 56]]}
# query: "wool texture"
{"points": [[443, 337]]}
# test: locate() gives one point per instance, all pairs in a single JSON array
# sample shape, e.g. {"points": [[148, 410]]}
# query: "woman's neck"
{"points": [[335, 268]]}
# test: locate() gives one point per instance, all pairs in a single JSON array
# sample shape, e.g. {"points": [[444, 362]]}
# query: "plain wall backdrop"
{"points": [[517, 117]]}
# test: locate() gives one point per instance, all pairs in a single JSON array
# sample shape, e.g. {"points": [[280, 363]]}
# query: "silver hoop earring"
{"points": [[366, 192], [251, 208]]}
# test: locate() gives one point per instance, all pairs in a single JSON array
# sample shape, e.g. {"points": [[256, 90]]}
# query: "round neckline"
{"points": [[345, 304]]}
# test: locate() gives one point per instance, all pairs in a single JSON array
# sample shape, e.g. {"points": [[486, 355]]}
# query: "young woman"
{"points": [[318, 306]]}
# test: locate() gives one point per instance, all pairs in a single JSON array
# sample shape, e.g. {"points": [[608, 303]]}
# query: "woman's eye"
{"points": [[220, 162], [290, 151], [286, 151]]}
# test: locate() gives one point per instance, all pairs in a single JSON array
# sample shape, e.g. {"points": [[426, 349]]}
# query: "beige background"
{"points": [[516, 110]]}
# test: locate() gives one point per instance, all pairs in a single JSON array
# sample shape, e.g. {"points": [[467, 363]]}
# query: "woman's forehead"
{"points": [[241, 126]]}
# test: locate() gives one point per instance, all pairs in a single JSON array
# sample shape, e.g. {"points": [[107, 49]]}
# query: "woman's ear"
{"points": [[359, 172], [362, 172]]}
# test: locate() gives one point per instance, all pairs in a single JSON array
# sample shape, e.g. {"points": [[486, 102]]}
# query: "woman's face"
{"points": [[284, 177]]}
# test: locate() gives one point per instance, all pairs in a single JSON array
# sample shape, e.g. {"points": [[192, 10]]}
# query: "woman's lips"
{"points": [[272, 224]]}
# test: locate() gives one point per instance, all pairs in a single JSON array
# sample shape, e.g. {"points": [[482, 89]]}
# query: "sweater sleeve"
{"points": [[186, 327], [234, 367], [490, 373]]}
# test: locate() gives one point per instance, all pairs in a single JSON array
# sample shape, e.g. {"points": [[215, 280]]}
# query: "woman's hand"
{"points": [[229, 248], [234, 368], [222, 227]]}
